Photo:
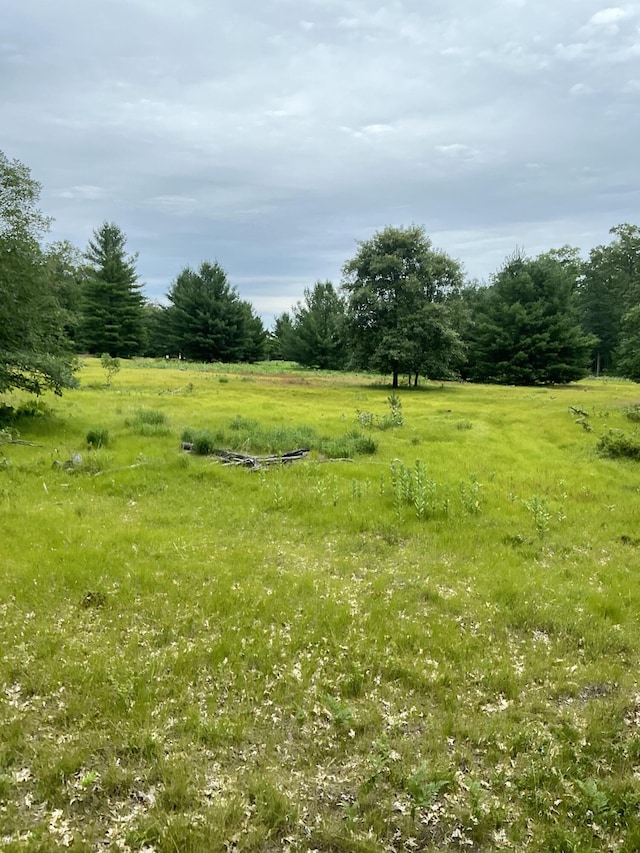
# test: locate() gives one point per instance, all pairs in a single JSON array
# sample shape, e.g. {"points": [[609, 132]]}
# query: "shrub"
{"points": [[98, 437], [203, 441], [632, 413], [349, 445], [618, 444]]}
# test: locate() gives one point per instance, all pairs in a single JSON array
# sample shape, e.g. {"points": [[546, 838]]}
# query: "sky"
{"points": [[272, 135]]}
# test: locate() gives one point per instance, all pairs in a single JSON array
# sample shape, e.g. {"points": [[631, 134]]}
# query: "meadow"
{"points": [[423, 636]]}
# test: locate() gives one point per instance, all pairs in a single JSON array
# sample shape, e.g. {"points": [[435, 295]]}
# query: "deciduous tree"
{"points": [[34, 352], [609, 289], [398, 287]]}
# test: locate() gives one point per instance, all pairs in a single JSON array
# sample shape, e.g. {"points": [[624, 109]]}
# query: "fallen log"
{"points": [[245, 460]]}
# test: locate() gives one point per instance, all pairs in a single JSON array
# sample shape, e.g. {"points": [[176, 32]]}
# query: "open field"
{"points": [[433, 646]]}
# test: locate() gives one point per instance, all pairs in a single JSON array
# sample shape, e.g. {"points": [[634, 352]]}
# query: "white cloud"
{"points": [[306, 125], [84, 192], [579, 89], [611, 15]]}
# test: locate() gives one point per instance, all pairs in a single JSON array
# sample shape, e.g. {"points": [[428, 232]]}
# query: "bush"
{"points": [[203, 442], [349, 445], [632, 413], [617, 444], [98, 437]]}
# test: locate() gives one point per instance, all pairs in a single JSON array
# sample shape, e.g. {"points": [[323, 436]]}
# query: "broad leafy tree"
{"points": [[113, 319], [209, 321], [627, 354], [317, 334], [34, 351], [68, 273], [609, 289], [398, 314], [525, 328]]}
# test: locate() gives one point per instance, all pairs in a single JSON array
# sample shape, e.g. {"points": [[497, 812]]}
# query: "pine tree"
{"points": [[318, 334], [208, 320], [525, 329], [113, 319]]}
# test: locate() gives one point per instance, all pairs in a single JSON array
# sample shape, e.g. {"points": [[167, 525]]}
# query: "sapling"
{"points": [[110, 365]]}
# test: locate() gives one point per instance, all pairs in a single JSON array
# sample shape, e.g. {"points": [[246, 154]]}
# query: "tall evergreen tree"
{"points": [[113, 320], [280, 339], [208, 320], [525, 329], [34, 351], [318, 333]]}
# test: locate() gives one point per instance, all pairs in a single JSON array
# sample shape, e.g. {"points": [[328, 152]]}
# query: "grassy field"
{"points": [[431, 645]]}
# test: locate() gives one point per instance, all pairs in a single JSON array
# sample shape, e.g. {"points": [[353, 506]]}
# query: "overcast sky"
{"points": [[270, 135]]}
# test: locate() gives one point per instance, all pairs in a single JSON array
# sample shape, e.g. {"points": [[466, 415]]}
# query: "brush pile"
{"points": [[244, 460]]}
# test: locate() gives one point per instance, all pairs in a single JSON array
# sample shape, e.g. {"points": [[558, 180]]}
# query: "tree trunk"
{"points": [[395, 374]]}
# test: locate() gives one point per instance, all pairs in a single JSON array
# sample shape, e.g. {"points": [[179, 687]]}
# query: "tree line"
{"points": [[403, 308]]}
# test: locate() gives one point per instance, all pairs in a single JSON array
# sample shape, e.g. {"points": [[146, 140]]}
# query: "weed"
{"points": [[422, 788], [471, 496], [148, 423], [539, 508], [272, 808]]}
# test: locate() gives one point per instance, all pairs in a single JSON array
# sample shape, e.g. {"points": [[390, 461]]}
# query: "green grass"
{"points": [[432, 646]]}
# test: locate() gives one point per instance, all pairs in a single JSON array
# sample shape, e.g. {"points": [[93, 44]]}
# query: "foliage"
{"points": [[98, 437], [398, 315], [616, 444], [250, 436], [394, 418], [157, 334], [67, 273], [110, 365], [209, 322], [627, 353], [609, 290], [112, 319], [525, 330], [315, 335], [34, 351]]}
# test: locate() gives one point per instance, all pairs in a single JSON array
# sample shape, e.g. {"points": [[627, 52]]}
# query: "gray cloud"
{"points": [[272, 136]]}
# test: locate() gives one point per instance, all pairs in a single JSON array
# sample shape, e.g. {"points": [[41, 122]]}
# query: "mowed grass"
{"points": [[432, 647]]}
